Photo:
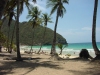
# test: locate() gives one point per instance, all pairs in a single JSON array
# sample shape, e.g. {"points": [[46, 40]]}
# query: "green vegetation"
{"points": [[45, 18], [2, 38], [25, 34], [61, 47]]}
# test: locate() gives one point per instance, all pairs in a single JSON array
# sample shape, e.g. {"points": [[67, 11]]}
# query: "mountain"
{"points": [[26, 34]]}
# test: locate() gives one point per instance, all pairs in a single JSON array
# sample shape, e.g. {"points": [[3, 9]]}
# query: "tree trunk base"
{"points": [[19, 59], [97, 57], [55, 57]]}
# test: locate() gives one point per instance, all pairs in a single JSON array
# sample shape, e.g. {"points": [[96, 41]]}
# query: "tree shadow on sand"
{"points": [[9, 65], [93, 70]]}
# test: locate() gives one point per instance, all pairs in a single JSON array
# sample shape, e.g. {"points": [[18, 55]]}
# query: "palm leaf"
{"points": [[66, 1], [54, 9], [60, 46]]}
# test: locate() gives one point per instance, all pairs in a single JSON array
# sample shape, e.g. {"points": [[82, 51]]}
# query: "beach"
{"points": [[41, 64], [73, 48]]}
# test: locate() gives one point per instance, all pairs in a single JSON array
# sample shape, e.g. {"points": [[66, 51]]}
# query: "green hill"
{"points": [[26, 34]]}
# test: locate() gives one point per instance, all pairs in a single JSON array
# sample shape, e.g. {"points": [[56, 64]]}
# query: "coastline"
{"points": [[73, 48], [73, 54]]}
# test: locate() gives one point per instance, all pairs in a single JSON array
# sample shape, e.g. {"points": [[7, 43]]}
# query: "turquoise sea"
{"points": [[72, 47]]}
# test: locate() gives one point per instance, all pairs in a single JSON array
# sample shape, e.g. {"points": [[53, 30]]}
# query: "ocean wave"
{"points": [[57, 49]]}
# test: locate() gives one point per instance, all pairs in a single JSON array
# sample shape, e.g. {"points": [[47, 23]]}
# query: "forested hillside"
{"points": [[26, 34]]}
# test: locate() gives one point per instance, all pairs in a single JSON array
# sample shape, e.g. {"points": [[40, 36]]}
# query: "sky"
{"points": [[76, 24]]}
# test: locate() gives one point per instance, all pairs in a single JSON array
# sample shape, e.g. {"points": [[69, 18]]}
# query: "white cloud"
{"points": [[90, 28], [98, 29], [40, 4], [86, 28]]}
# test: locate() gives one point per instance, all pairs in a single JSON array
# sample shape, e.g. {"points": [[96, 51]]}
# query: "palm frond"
{"points": [[54, 9], [60, 46], [46, 18], [51, 3], [66, 1], [34, 16], [64, 9], [57, 5]]}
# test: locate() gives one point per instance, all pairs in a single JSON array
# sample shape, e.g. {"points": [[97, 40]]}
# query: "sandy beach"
{"points": [[42, 65]]}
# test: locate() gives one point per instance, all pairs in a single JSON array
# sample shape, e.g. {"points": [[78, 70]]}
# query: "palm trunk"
{"points": [[43, 40], [17, 34], [2, 6], [61, 52], [94, 29], [12, 38], [31, 50], [53, 51], [8, 38]]}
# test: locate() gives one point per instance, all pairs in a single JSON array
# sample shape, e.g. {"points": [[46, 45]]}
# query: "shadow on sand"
{"points": [[9, 65]]}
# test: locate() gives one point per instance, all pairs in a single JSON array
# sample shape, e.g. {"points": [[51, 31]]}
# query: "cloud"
{"points": [[98, 29], [40, 4], [90, 28], [72, 32], [87, 28]]}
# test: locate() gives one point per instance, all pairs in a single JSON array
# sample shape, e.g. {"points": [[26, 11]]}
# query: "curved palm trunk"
{"points": [[43, 40], [53, 50], [8, 39], [17, 34], [12, 38], [2, 6], [31, 50], [97, 52]]}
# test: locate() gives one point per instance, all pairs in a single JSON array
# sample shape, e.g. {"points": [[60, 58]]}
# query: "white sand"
{"points": [[42, 65]]}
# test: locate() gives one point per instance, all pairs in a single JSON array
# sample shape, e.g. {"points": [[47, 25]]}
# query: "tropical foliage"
{"points": [[2, 38], [61, 47], [45, 18], [26, 33]]}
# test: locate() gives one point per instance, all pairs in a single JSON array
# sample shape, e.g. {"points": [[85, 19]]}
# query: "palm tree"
{"points": [[56, 5], [11, 44], [34, 18], [20, 5], [10, 15], [7, 5], [61, 47], [17, 34], [10, 6], [45, 18], [97, 52], [9, 11]]}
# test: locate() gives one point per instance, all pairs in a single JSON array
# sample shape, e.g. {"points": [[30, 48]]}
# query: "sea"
{"points": [[72, 48]]}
